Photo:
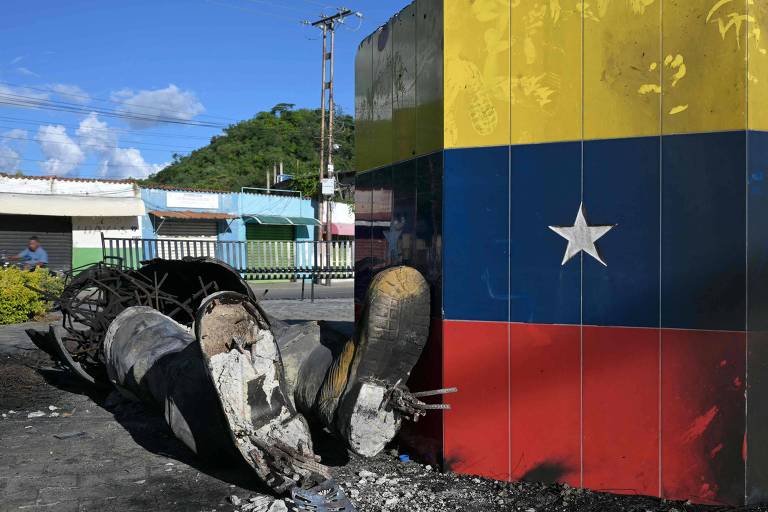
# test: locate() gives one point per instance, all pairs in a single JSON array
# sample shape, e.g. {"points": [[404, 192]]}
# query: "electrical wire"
{"points": [[132, 142], [104, 100], [246, 9], [267, 2], [86, 164], [109, 129], [66, 143], [19, 100], [33, 174]]}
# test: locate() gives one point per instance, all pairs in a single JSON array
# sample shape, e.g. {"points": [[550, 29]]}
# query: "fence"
{"points": [[255, 259]]}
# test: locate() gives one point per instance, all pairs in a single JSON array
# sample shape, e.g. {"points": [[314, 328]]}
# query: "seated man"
{"points": [[33, 256]]}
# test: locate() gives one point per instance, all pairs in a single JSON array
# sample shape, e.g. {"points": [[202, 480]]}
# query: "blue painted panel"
{"points": [[758, 231], [703, 231], [621, 186], [545, 191], [475, 213], [757, 337]]}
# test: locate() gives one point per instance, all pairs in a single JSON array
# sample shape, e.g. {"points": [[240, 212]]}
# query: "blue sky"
{"points": [[196, 61]]}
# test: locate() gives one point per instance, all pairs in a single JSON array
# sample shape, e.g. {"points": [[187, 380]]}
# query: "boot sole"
{"points": [[392, 333]]}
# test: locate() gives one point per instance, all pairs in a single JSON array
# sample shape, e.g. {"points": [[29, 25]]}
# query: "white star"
{"points": [[582, 237]]}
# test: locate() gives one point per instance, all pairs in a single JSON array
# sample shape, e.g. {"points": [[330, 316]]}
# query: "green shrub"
{"points": [[17, 302]]}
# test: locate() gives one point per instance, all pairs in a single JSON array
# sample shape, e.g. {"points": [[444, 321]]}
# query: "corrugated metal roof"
{"points": [[63, 178], [186, 189], [101, 180], [187, 214]]}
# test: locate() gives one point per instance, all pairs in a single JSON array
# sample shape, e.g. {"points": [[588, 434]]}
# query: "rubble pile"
{"points": [[189, 338], [384, 484]]}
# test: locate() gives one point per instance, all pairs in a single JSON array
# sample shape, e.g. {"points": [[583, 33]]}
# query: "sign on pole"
{"points": [[328, 186]]}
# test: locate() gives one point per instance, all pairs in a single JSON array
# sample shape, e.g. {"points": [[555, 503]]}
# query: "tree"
{"points": [[241, 156]]}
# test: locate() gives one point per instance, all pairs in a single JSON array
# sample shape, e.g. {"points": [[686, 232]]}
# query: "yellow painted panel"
{"points": [[622, 69], [477, 73], [363, 104], [704, 66], [429, 76], [757, 33], [404, 83], [546, 76]]}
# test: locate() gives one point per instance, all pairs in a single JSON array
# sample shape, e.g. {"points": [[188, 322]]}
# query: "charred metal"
{"points": [[190, 338]]}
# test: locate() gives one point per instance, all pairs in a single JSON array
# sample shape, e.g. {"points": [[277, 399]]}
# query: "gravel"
{"points": [[384, 484]]}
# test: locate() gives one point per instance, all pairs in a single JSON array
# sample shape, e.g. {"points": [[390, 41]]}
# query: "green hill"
{"points": [[241, 156]]}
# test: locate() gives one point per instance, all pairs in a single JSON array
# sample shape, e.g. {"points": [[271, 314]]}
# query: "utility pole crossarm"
{"points": [[343, 13]]}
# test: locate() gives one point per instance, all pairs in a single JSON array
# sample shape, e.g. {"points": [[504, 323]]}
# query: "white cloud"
{"points": [[9, 149], [61, 152], [21, 96], [9, 159], [18, 59], [95, 136], [17, 133], [71, 93], [26, 72], [169, 102], [127, 163]]}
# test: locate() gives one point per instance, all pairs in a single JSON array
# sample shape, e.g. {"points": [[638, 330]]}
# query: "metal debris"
{"points": [[70, 435], [409, 404], [97, 294], [190, 338], [325, 497]]}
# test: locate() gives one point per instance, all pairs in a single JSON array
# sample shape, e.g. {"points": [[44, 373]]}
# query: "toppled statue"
{"points": [[231, 381]]}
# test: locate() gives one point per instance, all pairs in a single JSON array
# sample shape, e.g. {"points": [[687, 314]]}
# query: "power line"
{"points": [[44, 141], [36, 103], [259, 11], [109, 129], [320, 4], [32, 174], [104, 100], [32, 102], [88, 164], [168, 146], [289, 7]]}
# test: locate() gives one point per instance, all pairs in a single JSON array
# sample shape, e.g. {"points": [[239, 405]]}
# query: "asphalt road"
{"points": [[286, 290], [65, 447]]}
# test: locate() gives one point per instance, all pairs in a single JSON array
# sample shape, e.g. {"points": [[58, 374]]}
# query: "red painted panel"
{"points": [[621, 409], [702, 411], [544, 398], [424, 439], [476, 429]]}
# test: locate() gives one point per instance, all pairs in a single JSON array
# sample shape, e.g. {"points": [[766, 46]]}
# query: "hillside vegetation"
{"points": [[241, 156]]}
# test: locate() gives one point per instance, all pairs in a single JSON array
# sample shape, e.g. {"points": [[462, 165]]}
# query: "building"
{"points": [[68, 215], [208, 215], [623, 350], [71, 215]]}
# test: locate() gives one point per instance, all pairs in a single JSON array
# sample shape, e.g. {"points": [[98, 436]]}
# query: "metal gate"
{"points": [[55, 234]]}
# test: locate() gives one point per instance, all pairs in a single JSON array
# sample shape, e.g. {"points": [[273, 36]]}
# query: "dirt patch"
{"points": [[30, 381]]}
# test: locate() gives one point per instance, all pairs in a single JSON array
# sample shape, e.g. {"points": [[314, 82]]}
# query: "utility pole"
{"points": [[328, 25]]}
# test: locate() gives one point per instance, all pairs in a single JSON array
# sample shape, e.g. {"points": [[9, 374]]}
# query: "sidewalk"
{"points": [[89, 450], [340, 289]]}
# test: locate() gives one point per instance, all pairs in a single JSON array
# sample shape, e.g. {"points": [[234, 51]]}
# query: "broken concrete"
{"points": [[245, 369], [242, 384]]}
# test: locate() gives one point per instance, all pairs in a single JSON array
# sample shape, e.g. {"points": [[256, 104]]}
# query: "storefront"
{"points": [[68, 215]]}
